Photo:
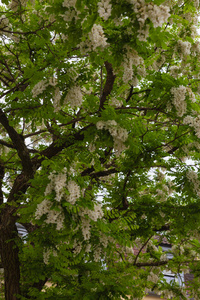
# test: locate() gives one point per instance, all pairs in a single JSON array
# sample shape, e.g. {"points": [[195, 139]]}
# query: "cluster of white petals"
{"points": [[97, 37], [56, 100], [193, 122], [104, 9], [94, 215], [15, 4], [193, 178], [132, 59], [74, 97], [39, 88], [47, 253], [104, 240], [153, 277], [164, 193], [184, 47], [179, 94], [115, 102], [157, 14], [74, 192], [4, 22], [77, 247], [118, 133], [53, 216], [42, 208], [97, 254], [174, 71], [69, 3], [87, 215], [57, 183]]}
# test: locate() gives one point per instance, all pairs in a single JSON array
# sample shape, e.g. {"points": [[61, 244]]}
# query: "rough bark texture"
{"points": [[9, 258]]}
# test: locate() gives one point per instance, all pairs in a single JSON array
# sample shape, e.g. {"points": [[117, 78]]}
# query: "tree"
{"points": [[99, 108]]}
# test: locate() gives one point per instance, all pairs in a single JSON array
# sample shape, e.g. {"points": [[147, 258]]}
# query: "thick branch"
{"points": [[19, 144], [2, 172], [108, 85]]}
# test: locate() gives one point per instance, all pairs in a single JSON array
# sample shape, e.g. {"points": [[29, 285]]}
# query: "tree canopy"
{"points": [[100, 147]]}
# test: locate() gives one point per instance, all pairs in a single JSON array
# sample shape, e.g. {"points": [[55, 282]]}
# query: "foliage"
{"points": [[100, 148]]}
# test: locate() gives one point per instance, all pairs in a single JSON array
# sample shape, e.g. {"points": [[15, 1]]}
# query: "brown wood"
{"points": [[9, 258]]}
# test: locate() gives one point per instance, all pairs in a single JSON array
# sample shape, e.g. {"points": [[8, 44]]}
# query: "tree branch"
{"points": [[108, 85], [19, 144]]}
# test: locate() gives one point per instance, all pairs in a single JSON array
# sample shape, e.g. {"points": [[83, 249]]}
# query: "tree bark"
{"points": [[9, 258]]}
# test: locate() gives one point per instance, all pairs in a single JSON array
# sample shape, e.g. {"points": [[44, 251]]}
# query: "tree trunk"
{"points": [[9, 257]]}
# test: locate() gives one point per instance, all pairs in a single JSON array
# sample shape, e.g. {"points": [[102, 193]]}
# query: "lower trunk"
{"points": [[10, 259]]}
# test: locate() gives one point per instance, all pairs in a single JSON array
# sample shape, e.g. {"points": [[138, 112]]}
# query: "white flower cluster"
{"points": [[174, 71], [74, 97], [178, 99], [47, 253], [131, 58], [4, 23], [157, 14], [53, 217], [70, 15], [87, 215], [57, 183], [193, 178], [77, 247], [184, 47], [115, 102], [74, 192], [39, 88], [97, 37], [193, 122], [56, 100], [118, 133], [69, 3], [104, 9], [15, 4], [153, 277], [97, 254], [104, 240], [164, 193]]}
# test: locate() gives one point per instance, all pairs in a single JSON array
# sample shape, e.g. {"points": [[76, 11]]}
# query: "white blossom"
{"points": [[57, 183], [103, 240], [153, 277], [74, 97], [118, 133], [97, 254], [174, 71], [157, 14], [4, 22], [131, 59], [15, 4], [184, 47], [42, 208], [193, 178], [69, 3], [178, 99], [74, 192], [56, 101], [39, 88], [97, 37], [46, 255], [104, 9]]}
